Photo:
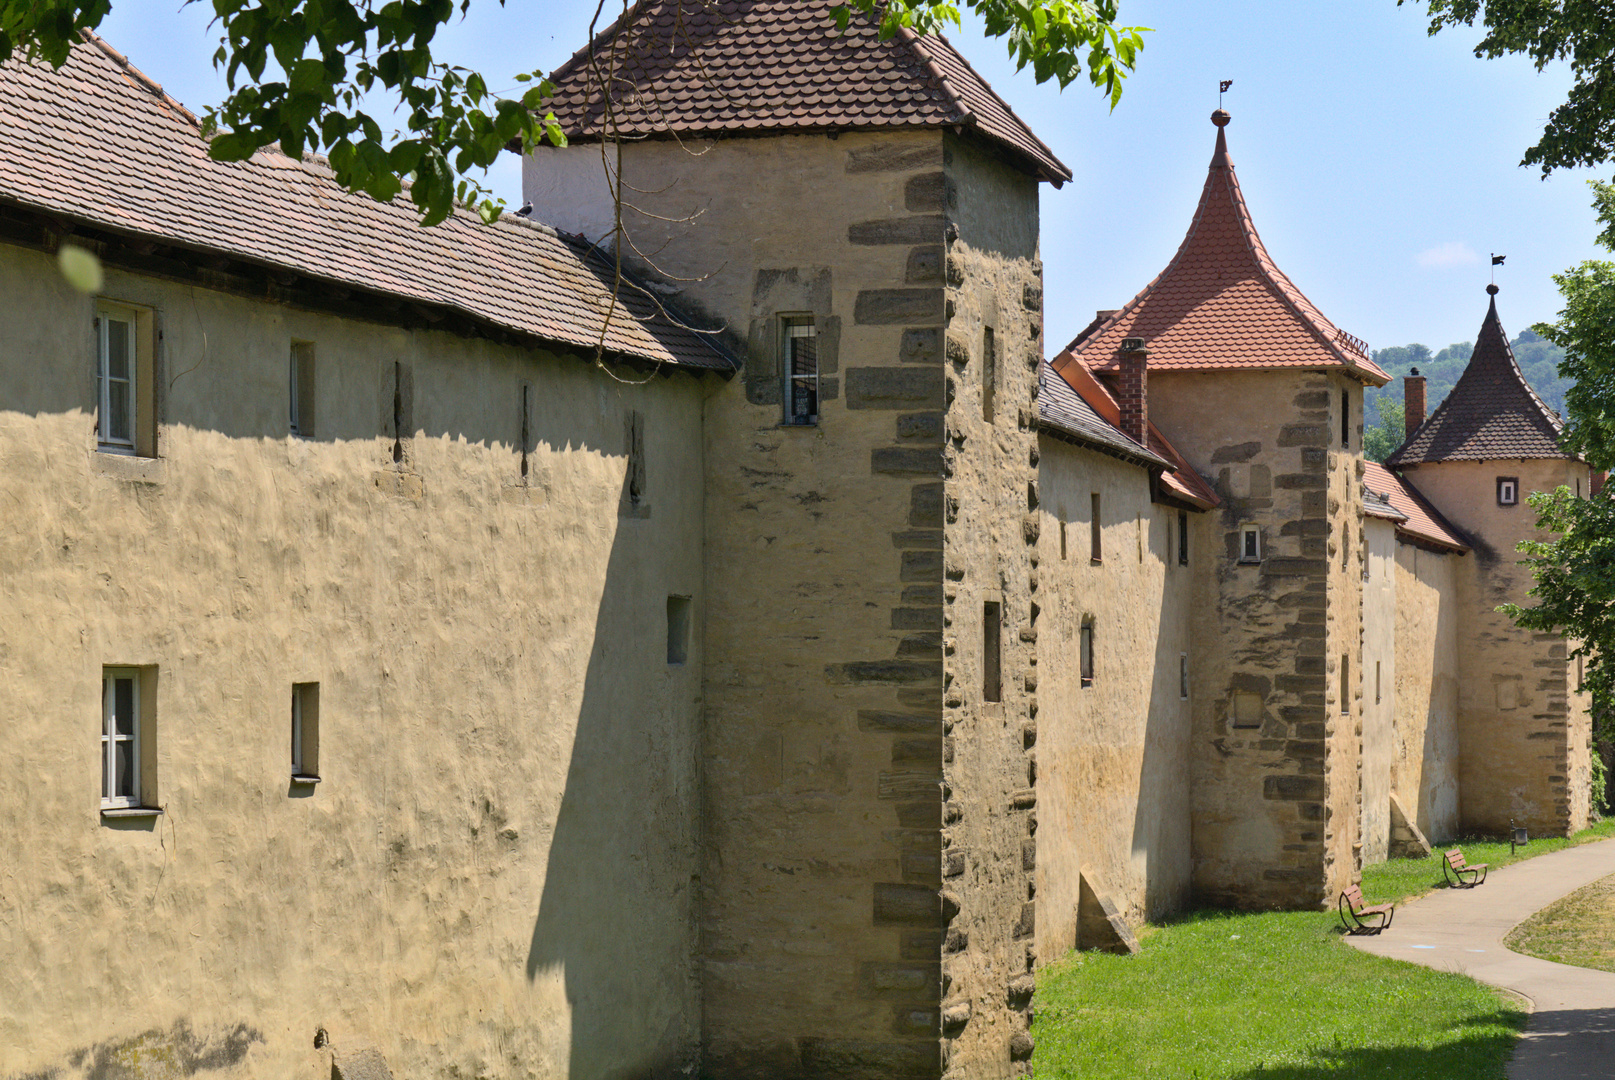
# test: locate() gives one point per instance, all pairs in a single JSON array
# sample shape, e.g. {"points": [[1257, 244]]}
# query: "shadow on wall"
{"points": [[617, 915], [1161, 818], [1484, 1044]]}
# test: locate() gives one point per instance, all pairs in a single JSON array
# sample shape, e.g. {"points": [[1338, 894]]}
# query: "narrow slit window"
{"points": [[1376, 683], [1062, 539], [118, 386], [802, 373], [1085, 652], [301, 398], [1345, 684], [526, 425], [1183, 676], [1094, 532], [989, 372], [305, 732], [635, 438], [1250, 544], [678, 629], [1183, 538], [1508, 490], [1345, 420], [120, 737], [992, 687]]}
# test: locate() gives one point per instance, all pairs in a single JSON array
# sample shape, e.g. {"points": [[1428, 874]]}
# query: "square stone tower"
{"points": [[861, 218], [1264, 396]]}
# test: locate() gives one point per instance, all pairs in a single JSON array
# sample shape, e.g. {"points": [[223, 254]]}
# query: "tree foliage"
{"points": [[1581, 131], [314, 75], [1380, 440]]}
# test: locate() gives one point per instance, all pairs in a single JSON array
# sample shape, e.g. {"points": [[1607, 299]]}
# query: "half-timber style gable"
{"points": [[754, 67], [1222, 303], [1492, 413]]}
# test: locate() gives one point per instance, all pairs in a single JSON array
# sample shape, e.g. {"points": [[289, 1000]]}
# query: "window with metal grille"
{"points": [[801, 372]]}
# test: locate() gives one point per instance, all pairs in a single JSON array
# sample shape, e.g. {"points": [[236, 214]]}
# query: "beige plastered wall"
{"points": [[1523, 730], [1275, 803], [1379, 684], [496, 874], [1113, 757], [1424, 765], [822, 928]]}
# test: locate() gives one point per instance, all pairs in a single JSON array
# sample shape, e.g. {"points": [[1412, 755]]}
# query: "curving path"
{"points": [[1571, 1033]]}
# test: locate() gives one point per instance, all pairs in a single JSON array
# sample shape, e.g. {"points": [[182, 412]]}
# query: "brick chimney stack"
{"points": [[1596, 483], [1413, 399], [1132, 389]]}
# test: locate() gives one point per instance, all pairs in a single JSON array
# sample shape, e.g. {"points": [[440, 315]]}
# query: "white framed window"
{"points": [[305, 732], [120, 738], [301, 400], [801, 372], [117, 379], [1250, 544], [1508, 491]]}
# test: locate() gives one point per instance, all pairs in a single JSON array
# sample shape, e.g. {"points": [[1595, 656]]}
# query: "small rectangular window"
{"points": [[1183, 676], [1345, 420], [678, 629], [992, 686], [1250, 544], [120, 737], [403, 411], [1094, 532], [989, 372], [125, 381], [301, 400], [801, 372], [635, 438], [1508, 490], [1183, 538], [305, 732], [526, 400], [1062, 539], [1345, 684], [1085, 653]]}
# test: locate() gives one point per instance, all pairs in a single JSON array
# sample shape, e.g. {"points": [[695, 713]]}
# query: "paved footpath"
{"points": [[1571, 1033]]}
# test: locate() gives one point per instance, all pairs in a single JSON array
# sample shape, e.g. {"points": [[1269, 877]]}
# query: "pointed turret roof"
{"points": [[1222, 303], [1491, 414], [748, 67]]}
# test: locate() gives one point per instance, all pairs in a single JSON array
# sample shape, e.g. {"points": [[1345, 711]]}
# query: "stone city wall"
{"points": [[1424, 765]]}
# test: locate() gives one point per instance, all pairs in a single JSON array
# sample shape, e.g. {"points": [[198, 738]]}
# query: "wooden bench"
{"points": [[1462, 875], [1360, 918]]}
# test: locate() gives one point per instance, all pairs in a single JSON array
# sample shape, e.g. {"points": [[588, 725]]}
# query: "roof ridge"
{"points": [[916, 44], [140, 77], [987, 86]]}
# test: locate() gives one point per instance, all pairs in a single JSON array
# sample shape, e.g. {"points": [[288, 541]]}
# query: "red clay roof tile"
{"points": [[1222, 303], [99, 143], [716, 67], [1420, 520]]}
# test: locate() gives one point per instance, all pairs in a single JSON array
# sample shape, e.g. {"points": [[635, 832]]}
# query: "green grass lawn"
{"points": [[1575, 929], [1399, 879], [1273, 996]]}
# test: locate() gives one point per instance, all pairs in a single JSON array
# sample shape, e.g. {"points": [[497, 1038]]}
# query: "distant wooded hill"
{"points": [[1538, 360]]}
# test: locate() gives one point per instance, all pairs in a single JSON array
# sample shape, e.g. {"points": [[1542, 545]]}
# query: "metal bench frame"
{"points": [[1454, 866], [1354, 914]]}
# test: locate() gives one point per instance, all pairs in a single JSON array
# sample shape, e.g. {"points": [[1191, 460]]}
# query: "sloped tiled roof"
{"points": [[1222, 303], [1420, 521], [100, 144], [1491, 414], [744, 67], [1072, 400]]}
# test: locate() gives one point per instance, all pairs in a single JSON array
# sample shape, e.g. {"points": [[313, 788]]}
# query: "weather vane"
{"points": [[1222, 88], [1497, 260]]}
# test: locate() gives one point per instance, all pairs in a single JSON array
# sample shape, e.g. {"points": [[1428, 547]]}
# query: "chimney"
{"points": [[1132, 389], [1413, 399], [1596, 483]]}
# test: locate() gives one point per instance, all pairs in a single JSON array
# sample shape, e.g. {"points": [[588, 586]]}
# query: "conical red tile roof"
{"points": [[1492, 414], [746, 67], [1221, 303]]}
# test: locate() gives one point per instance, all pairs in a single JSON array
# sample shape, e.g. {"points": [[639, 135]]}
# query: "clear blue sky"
{"points": [[1381, 165]]}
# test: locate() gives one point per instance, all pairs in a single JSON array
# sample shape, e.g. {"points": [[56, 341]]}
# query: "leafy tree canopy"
{"points": [[307, 74], [1580, 32]]}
